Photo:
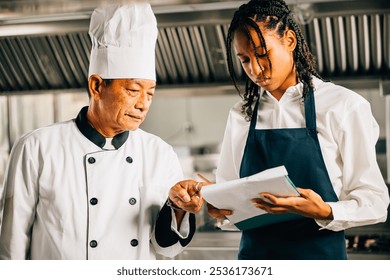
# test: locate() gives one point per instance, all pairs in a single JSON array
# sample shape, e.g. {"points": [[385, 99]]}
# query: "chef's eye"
{"points": [[132, 92]]}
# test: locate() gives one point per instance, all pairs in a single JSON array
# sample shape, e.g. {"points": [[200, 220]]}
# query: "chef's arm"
{"points": [[185, 197], [179, 213], [18, 199], [168, 238], [175, 224]]}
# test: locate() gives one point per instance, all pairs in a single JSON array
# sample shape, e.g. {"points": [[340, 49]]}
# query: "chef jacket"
{"points": [[347, 132], [67, 196]]}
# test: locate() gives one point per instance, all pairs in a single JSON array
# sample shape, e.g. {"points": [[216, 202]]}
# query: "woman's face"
{"points": [[280, 52]]}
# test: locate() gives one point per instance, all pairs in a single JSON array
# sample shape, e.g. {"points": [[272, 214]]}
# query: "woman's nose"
{"points": [[255, 67]]}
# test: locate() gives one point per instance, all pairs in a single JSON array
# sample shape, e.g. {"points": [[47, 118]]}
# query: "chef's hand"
{"points": [[219, 214], [309, 204], [186, 196]]}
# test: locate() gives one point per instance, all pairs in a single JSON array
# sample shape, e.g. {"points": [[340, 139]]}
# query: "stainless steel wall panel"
{"points": [[328, 45], [200, 48], [28, 112], [215, 52], [220, 34], [347, 41], [11, 66], [236, 62], [82, 55], [340, 45], [60, 56], [177, 54], [364, 43], [5, 74], [317, 45], [40, 81], [189, 53], [46, 62], [352, 44], [386, 41], [376, 36], [4, 141], [85, 46], [72, 54], [167, 56], [24, 72], [161, 71]]}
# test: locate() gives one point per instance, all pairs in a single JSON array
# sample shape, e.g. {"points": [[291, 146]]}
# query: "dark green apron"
{"points": [[298, 149]]}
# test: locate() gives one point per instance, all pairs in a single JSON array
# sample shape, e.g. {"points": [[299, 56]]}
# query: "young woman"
{"points": [[322, 133]]}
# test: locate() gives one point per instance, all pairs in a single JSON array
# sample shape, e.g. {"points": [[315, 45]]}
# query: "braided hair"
{"points": [[275, 15]]}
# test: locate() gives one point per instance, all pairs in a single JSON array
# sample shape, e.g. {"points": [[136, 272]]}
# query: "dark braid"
{"points": [[275, 15]]}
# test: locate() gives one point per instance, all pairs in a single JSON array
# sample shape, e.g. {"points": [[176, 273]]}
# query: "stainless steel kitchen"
{"points": [[45, 53]]}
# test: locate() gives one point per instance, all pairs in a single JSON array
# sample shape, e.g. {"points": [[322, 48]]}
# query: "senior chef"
{"points": [[96, 187]]}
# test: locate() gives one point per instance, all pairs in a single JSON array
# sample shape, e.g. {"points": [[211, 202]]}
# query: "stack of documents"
{"points": [[237, 194]]}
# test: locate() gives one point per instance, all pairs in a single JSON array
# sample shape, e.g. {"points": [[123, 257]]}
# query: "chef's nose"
{"points": [[142, 102]]}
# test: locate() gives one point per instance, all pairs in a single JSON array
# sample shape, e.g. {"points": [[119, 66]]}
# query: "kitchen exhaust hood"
{"points": [[50, 51]]}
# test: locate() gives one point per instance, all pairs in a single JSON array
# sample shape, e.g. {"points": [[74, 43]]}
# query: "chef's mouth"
{"points": [[134, 117]]}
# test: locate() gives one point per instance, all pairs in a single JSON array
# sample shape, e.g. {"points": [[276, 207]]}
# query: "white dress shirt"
{"points": [[347, 133]]}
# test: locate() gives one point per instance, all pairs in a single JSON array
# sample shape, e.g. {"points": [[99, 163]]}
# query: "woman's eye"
{"points": [[261, 55]]}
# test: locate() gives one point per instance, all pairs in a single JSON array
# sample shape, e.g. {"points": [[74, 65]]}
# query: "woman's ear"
{"points": [[290, 39], [95, 84]]}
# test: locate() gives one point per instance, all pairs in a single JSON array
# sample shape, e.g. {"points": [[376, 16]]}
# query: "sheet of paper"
{"points": [[236, 195]]}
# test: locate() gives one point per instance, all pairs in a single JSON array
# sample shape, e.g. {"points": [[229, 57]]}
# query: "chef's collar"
{"points": [[93, 135]]}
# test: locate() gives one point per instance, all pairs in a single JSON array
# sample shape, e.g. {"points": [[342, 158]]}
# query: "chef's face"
{"points": [[121, 104], [279, 52]]}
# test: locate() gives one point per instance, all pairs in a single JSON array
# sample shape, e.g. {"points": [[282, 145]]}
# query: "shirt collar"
{"points": [[294, 90], [93, 135]]}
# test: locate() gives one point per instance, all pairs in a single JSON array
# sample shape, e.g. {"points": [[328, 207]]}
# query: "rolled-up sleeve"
{"points": [[364, 196]]}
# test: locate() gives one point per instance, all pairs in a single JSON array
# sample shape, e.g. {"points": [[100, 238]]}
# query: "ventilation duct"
{"points": [[349, 42]]}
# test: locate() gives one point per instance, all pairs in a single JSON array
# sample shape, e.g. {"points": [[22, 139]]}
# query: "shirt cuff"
{"points": [[227, 225], [184, 230], [337, 216]]}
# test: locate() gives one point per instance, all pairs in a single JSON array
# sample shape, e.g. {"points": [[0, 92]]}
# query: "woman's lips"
{"points": [[262, 82]]}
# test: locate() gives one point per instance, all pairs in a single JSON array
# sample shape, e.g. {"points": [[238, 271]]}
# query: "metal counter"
{"points": [[363, 243]]}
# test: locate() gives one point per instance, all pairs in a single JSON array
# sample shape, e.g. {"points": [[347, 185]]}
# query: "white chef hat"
{"points": [[123, 41]]}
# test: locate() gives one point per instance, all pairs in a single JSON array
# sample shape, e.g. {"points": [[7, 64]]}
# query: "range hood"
{"points": [[41, 52]]}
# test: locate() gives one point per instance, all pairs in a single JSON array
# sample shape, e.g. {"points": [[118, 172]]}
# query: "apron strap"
{"points": [[254, 115], [310, 112]]}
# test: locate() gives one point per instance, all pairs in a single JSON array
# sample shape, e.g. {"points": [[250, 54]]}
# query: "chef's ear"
{"points": [[95, 85]]}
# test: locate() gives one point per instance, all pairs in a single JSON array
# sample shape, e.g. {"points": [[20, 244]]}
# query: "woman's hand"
{"points": [[219, 214], [309, 204]]}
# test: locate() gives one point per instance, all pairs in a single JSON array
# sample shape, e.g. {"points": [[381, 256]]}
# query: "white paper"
{"points": [[236, 195]]}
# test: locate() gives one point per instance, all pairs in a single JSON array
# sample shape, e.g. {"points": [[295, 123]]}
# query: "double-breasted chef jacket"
{"points": [[66, 196]]}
